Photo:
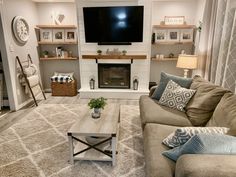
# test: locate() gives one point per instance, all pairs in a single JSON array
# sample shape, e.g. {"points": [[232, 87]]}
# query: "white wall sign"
{"points": [[174, 20]]}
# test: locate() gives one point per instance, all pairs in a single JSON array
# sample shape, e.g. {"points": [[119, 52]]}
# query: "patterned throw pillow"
{"points": [[165, 78], [182, 135], [204, 144], [175, 96]]}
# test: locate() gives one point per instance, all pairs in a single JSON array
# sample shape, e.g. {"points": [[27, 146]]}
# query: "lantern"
{"points": [[92, 84], [135, 83]]}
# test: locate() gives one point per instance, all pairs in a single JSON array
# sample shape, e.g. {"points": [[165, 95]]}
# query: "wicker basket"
{"points": [[64, 89]]}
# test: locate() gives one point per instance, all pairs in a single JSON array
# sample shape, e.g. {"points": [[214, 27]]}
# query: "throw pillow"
{"points": [[64, 74], [201, 107], [225, 112], [182, 135], [175, 96], [204, 144], [165, 78]]}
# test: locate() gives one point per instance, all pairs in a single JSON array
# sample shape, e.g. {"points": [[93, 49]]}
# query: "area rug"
{"points": [[37, 145]]}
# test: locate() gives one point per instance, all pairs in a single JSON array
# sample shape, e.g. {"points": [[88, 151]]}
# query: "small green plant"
{"points": [[124, 52], [99, 52], [199, 28], [97, 103], [45, 52]]}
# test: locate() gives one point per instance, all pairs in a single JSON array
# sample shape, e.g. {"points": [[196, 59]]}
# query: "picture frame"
{"points": [[58, 35], [160, 35], [186, 35], [46, 35], [70, 35], [173, 35], [174, 20]]}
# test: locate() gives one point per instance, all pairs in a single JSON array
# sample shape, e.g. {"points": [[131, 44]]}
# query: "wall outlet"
{"points": [[11, 48], [18, 91]]}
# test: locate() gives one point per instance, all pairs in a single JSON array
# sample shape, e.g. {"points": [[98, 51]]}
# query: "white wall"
{"points": [[10, 9], [45, 11], [160, 9]]}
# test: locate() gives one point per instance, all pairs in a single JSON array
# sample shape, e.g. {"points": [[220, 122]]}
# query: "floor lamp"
{"points": [[187, 62]]}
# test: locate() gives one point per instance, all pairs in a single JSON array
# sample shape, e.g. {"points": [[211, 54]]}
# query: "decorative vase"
{"points": [[96, 113]]}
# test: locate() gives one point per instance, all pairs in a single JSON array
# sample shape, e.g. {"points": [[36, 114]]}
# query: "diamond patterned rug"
{"points": [[36, 146]]}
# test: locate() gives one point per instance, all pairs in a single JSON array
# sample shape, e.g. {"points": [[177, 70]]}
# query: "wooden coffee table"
{"points": [[106, 127]]}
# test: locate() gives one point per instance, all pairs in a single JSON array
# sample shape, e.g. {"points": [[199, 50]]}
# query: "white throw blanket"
{"points": [[32, 74]]}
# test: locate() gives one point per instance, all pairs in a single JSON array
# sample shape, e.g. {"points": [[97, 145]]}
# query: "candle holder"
{"points": [[135, 83]]}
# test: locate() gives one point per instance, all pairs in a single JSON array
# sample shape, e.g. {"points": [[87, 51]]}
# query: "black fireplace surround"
{"points": [[114, 76]]}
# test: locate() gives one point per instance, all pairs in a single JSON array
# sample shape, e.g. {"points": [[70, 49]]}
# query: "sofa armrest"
{"points": [[195, 165], [152, 89]]}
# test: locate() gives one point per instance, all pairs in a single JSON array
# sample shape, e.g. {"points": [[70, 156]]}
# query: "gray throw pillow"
{"points": [[182, 135], [204, 144], [165, 78], [175, 96]]}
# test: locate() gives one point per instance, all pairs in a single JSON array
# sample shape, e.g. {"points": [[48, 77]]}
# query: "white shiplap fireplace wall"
{"points": [[139, 68]]}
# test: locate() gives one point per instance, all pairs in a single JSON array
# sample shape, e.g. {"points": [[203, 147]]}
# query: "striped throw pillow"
{"points": [[182, 135]]}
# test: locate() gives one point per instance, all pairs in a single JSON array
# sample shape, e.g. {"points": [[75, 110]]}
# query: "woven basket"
{"points": [[64, 89]]}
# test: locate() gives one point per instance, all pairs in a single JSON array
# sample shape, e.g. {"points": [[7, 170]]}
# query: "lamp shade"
{"points": [[187, 61]]}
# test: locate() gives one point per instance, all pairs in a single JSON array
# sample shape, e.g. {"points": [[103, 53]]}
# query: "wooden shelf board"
{"points": [[141, 57], [56, 26], [165, 59], [55, 43], [174, 26], [56, 58], [172, 43]]}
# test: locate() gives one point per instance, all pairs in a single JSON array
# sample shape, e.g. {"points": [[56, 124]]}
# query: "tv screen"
{"points": [[113, 24]]}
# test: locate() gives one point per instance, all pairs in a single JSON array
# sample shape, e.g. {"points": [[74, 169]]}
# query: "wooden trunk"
{"points": [[64, 89]]}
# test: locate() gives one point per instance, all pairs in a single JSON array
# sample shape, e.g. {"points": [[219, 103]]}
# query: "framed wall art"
{"points": [[70, 35], [186, 35], [173, 35], [160, 35], [46, 35], [174, 20], [58, 35]]}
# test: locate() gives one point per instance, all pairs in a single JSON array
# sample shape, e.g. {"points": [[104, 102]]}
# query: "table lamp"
{"points": [[187, 62]]}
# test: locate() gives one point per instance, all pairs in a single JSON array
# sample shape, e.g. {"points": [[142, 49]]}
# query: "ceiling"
{"points": [[53, 0]]}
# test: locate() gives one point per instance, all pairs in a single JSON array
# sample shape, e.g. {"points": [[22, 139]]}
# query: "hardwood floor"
{"points": [[12, 117]]}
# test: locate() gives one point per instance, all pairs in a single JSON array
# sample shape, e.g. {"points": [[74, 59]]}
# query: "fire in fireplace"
{"points": [[114, 76]]}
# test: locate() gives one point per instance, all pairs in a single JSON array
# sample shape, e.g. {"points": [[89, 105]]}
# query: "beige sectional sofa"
{"points": [[159, 121]]}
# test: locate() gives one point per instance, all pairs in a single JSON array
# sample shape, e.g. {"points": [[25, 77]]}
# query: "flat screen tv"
{"points": [[113, 25]]}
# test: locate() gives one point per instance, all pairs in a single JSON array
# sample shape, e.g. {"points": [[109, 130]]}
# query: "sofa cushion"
{"points": [[202, 105], [232, 130], [204, 144], [225, 112], [165, 78], [183, 134], [152, 112], [156, 164], [175, 96], [199, 165]]}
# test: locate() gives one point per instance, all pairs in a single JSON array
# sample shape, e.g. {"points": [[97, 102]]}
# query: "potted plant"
{"points": [[45, 54], [99, 52], [124, 52], [97, 105]]}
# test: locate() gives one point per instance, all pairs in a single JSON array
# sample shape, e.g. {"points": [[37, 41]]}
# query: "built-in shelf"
{"points": [[135, 57], [174, 26], [56, 26], [173, 43], [57, 58], [164, 59], [57, 43]]}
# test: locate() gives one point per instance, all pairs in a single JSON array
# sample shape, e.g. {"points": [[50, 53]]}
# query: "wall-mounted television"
{"points": [[113, 25]]}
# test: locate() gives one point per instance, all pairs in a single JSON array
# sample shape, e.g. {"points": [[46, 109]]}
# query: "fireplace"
{"points": [[114, 76]]}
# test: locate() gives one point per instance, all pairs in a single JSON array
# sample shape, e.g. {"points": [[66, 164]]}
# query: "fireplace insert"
{"points": [[114, 76]]}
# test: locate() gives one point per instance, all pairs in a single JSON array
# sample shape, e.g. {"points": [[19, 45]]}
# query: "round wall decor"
{"points": [[20, 29]]}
